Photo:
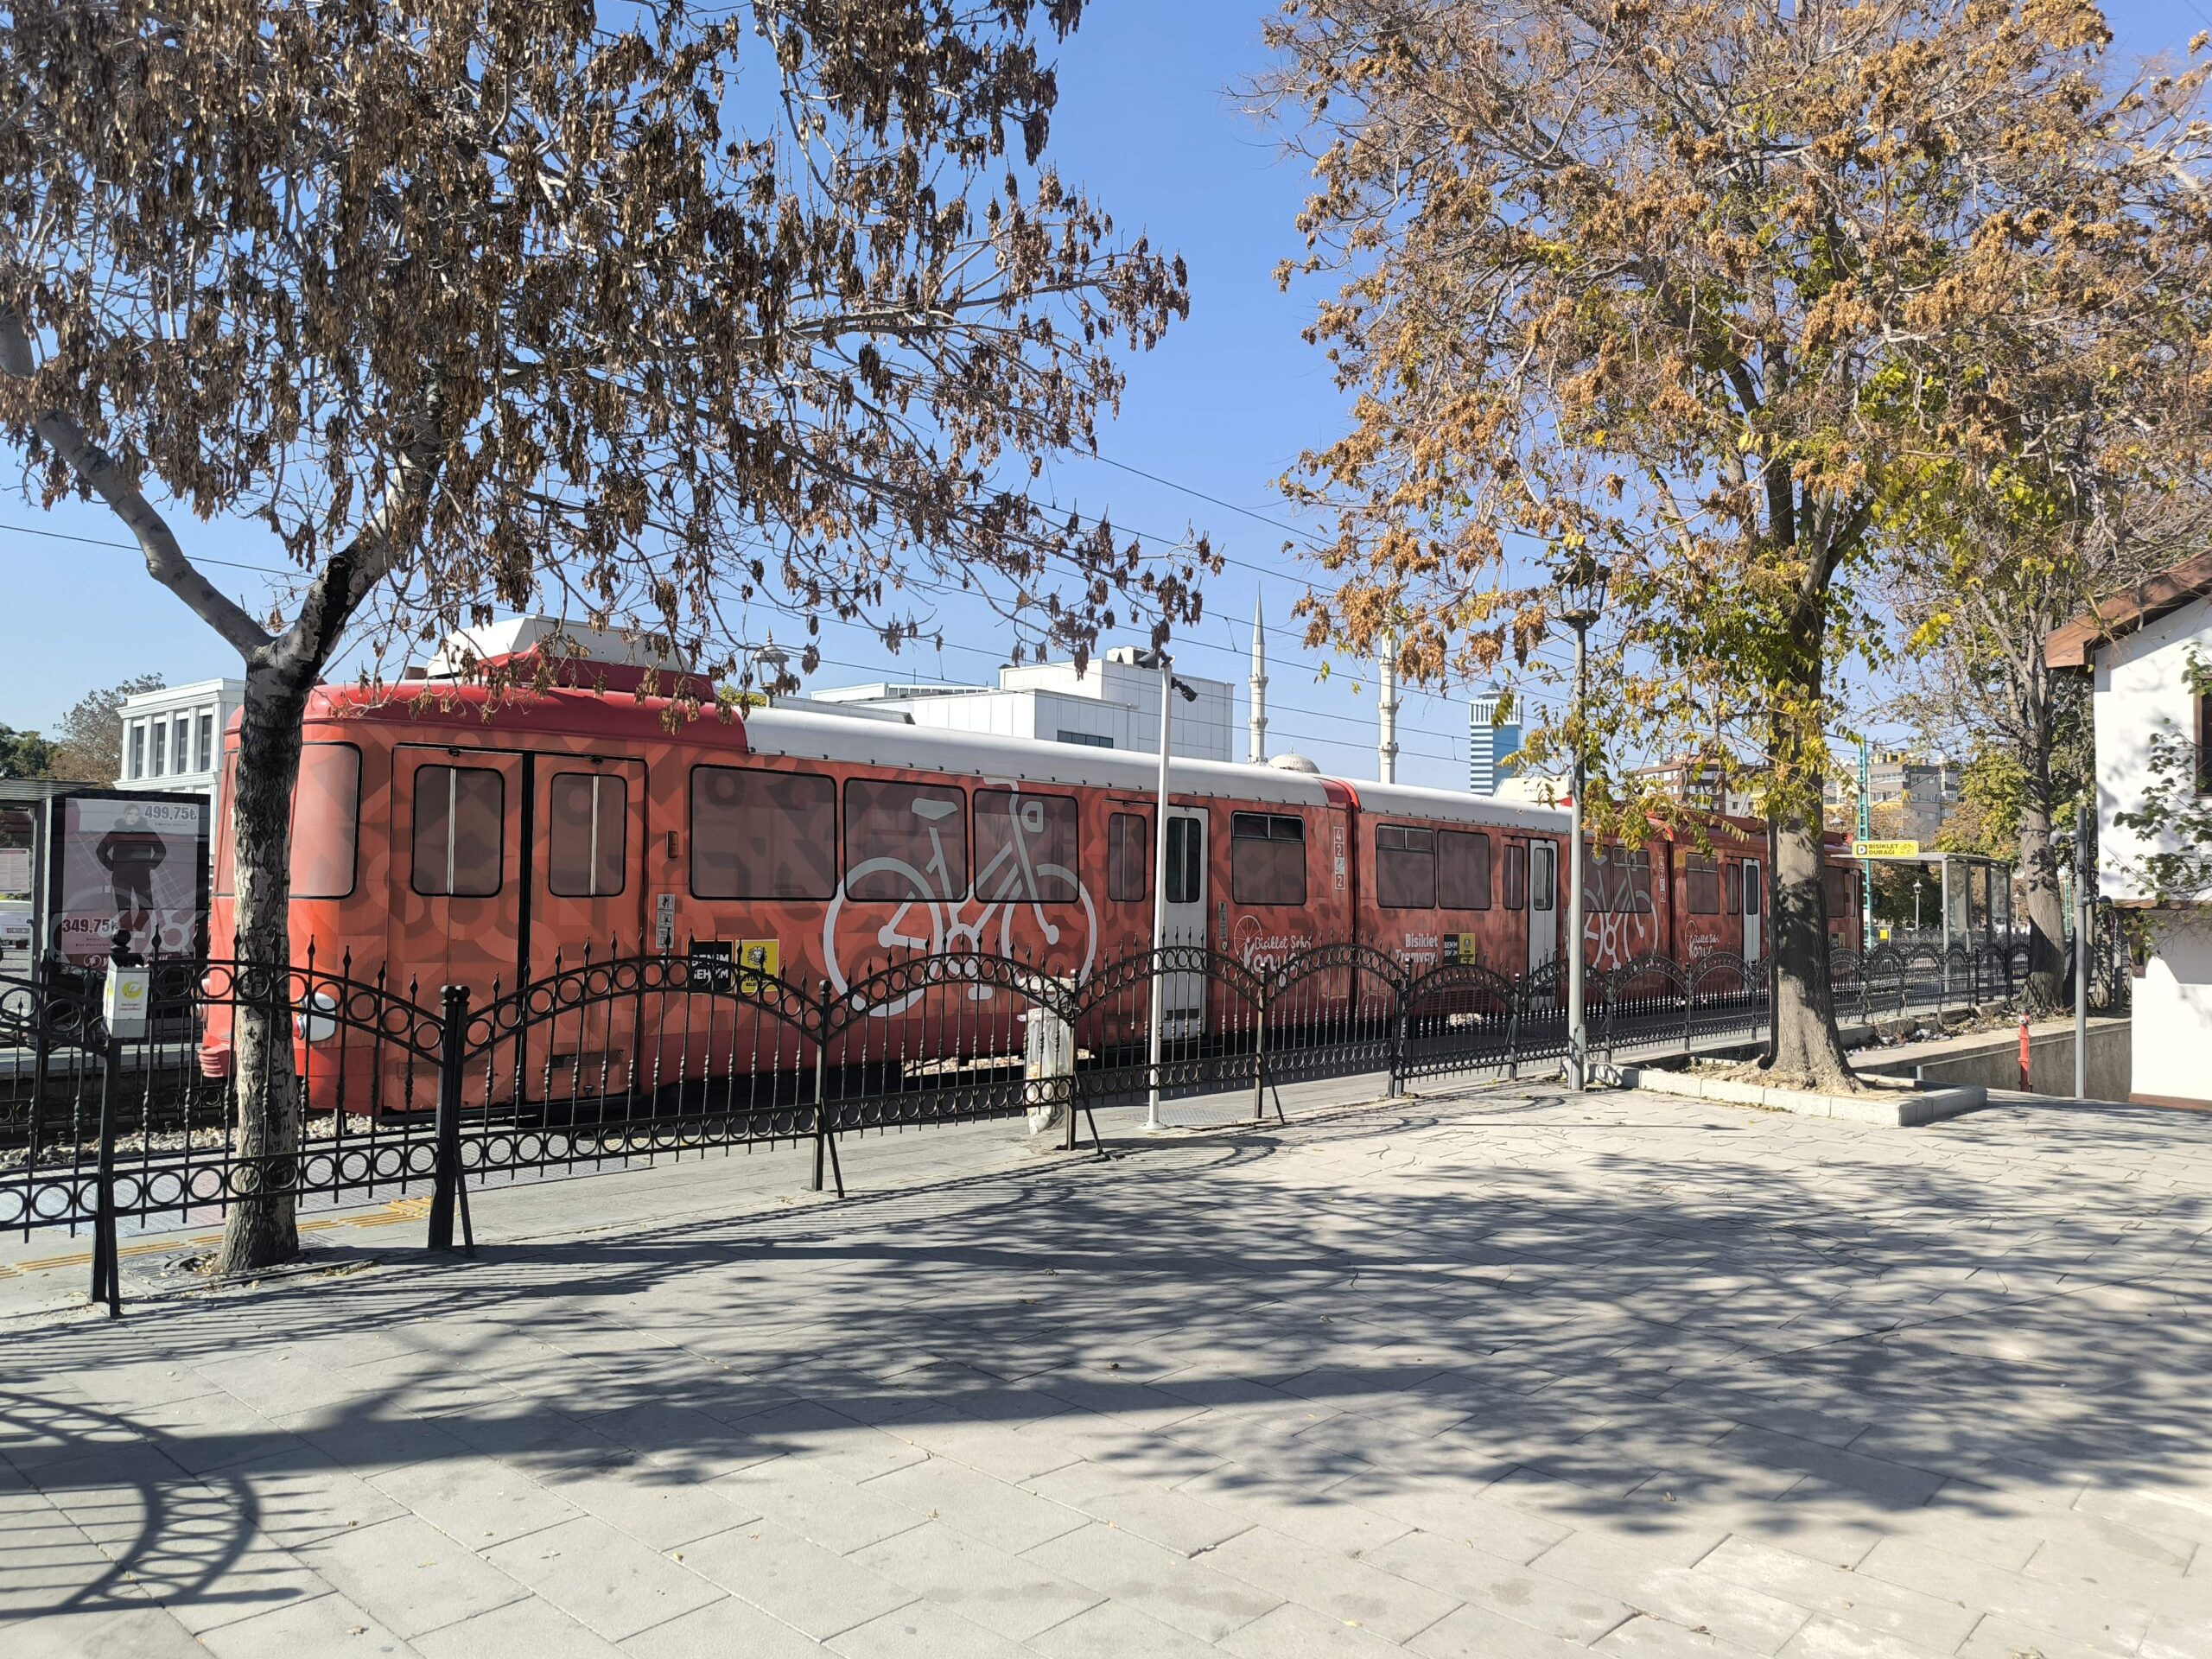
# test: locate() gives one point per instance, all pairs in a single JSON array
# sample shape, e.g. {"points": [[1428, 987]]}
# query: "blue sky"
{"points": [[1148, 125]]}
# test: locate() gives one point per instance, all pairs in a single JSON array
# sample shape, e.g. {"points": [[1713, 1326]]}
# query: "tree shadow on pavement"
{"points": [[1668, 1320]]}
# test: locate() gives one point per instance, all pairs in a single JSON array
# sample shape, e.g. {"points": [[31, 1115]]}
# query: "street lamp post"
{"points": [[2084, 899], [1169, 685], [1915, 912], [1580, 584]]}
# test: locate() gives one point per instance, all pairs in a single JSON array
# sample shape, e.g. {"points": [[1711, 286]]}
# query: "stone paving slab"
{"points": [[1501, 1374]]}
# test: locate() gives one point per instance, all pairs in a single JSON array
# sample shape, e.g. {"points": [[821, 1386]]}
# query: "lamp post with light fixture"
{"points": [[1578, 587], [1169, 686]]}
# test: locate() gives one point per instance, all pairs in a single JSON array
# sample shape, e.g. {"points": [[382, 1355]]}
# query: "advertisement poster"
{"points": [[16, 944], [133, 866]]}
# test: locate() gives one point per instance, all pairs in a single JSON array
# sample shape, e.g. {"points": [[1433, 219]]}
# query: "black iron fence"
{"points": [[637, 1060]]}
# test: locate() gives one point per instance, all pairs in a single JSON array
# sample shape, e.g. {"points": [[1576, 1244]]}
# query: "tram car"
{"points": [[450, 833]]}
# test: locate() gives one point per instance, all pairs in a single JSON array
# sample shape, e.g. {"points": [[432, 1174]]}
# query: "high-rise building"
{"points": [[1491, 747], [1921, 788]]}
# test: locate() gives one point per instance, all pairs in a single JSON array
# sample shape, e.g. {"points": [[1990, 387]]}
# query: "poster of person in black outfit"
{"points": [[132, 866], [130, 853]]}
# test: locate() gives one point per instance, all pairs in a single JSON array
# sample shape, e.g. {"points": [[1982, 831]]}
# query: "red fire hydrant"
{"points": [[2024, 1052]]}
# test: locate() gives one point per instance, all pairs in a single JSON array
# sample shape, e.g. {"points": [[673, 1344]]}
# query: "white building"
{"points": [[173, 742], [1113, 704], [2137, 646]]}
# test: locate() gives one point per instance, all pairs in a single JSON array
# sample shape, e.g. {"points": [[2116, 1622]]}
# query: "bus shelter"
{"points": [[1970, 900]]}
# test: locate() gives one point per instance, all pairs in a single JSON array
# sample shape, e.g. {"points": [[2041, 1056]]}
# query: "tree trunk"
{"points": [[2038, 865], [262, 1228], [2046, 914], [1806, 1046]]}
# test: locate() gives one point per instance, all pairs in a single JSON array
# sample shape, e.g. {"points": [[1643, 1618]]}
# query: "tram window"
{"points": [[1186, 859], [1025, 847], [1463, 870], [1266, 858], [1731, 887], [1701, 882], [1750, 890], [757, 834], [1838, 883], [1405, 867], [1129, 858], [585, 841], [326, 807], [1516, 875], [1616, 880], [905, 840], [459, 814]]}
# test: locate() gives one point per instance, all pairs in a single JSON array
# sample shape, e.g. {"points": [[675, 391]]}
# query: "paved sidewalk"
{"points": [[1502, 1376]]}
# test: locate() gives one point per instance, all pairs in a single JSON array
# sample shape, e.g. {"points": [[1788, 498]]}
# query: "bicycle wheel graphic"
{"points": [[903, 930], [1014, 910]]}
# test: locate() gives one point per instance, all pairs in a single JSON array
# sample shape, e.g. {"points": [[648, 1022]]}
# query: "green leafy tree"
{"points": [[90, 736], [24, 754], [1701, 291]]}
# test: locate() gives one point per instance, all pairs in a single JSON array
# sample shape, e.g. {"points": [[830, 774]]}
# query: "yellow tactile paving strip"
{"points": [[388, 1215]]}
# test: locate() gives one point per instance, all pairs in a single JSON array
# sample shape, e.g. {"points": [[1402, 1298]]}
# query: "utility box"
{"points": [[1048, 1058]]}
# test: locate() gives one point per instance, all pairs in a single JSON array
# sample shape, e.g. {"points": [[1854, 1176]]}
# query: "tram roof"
{"points": [[806, 734]]}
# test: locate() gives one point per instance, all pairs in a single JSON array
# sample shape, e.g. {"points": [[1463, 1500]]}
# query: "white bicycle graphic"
{"points": [[1012, 881]]}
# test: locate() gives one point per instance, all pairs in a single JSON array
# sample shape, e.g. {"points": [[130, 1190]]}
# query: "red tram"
{"points": [[456, 835]]}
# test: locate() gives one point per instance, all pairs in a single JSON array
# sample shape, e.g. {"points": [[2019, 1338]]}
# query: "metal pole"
{"points": [[1578, 1052], [1866, 865], [446, 1178], [1773, 924], [2081, 902], [1946, 867], [1159, 900], [107, 1268], [821, 1092]]}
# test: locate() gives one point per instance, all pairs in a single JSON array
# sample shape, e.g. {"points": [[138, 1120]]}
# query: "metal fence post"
{"points": [[107, 1271], [1260, 1062], [821, 1091], [446, 1193], [1519, 991], [1612, 1012], [1400, 994]]}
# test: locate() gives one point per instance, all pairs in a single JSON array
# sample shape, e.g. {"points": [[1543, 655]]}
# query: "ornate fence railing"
{"points": [[635, 1060]]}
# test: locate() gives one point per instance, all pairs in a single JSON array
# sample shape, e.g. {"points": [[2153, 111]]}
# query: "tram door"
{"points": [[1754, 910], [459, 866], [1184, 995], [586, 845], [1543, 904]]}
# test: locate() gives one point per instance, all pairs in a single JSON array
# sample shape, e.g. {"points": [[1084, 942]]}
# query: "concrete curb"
{"points": [[1904, 1111]]}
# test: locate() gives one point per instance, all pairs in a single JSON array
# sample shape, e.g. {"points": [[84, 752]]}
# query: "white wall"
{"points": [[2172, 1013], [2142, 688], [1116, 701]]}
